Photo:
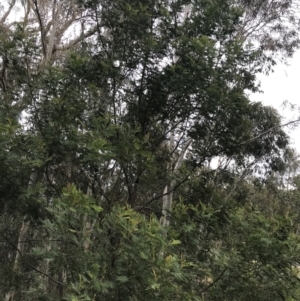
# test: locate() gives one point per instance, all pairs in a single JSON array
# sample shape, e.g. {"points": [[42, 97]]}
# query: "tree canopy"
{"points": [[133, 164]]}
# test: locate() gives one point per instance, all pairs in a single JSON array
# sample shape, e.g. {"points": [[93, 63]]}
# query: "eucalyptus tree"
{"points": [[271, 25]]}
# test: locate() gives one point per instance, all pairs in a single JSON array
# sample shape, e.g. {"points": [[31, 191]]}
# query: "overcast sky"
{"points": [[283, 85]]}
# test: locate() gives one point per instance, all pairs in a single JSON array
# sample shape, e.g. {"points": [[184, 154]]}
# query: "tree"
{"points": [[272, 25], [122, 118]]}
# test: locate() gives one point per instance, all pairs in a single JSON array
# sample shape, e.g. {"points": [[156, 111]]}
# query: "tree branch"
{"points": [[214, 282], [55, 16], [29, 265], [3, 19], [41, 26], [89, 33], [270, 130], [44, 274]]}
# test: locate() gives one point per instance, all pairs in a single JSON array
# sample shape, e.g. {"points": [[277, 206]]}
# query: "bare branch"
{"points": [[89, 33], [27, 12], [3, 19], [55, 16], [66, 25], [41, 26], [216, 280], [44, 274], [270, 130]]}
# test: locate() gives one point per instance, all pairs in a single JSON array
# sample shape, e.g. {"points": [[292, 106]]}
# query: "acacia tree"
{"points": [[128, 117]]}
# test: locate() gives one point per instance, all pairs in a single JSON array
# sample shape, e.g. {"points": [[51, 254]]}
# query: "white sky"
{"points": [[283, 85]]}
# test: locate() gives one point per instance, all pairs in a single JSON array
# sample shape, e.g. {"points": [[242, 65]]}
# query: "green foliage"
{"points": [[108, 255], [238, 252], [94, 140]]}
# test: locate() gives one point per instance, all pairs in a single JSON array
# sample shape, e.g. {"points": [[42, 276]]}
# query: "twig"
{"points": [[44, 274], [270, 130], [216, 280], [29, 265]]}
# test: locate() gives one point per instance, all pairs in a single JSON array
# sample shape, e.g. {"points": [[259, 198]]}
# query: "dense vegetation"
{"points": [[133, 165]]}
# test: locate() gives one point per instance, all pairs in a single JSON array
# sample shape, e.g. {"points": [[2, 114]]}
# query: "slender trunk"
{"points": [[21, 240], [168, 190], [20, 249]]}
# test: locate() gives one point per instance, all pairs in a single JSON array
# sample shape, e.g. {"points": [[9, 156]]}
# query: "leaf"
{"points": [[155, 286], [143, 255], [97, 208], [122, 279], [175, 242]]}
